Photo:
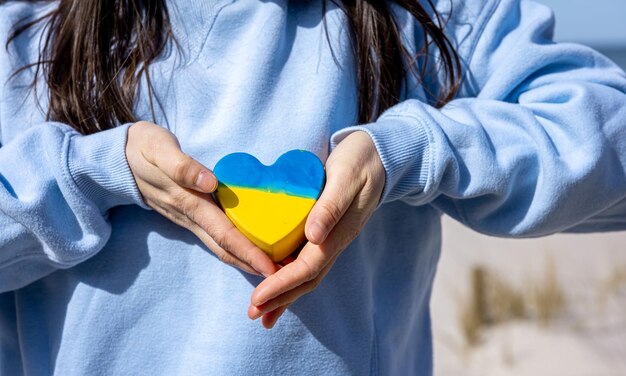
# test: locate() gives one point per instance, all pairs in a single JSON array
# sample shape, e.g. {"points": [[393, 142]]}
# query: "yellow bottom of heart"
{"points": [[273, 221]]}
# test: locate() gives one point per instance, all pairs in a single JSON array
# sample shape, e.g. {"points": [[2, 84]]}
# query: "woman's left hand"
{"points": [[355, 178]]}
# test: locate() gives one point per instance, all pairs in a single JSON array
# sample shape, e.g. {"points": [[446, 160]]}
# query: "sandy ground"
{"points": [[589, 338]]}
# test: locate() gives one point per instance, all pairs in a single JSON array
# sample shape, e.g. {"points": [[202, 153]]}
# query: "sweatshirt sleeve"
{"points": [[537, 146], [56, 187]]}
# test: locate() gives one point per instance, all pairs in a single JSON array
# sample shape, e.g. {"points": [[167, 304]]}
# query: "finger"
{"points": [[180, 167], [306, 267], [177, 216], [210, 218], [313, 258], [285, 299], [185, 222], [269, 319], [287, 260], [152, 194], [341, 188], [221, 254]]}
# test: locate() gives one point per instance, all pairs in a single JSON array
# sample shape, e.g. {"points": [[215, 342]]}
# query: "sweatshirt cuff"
{"points": [[404, 146], [98, 166]]}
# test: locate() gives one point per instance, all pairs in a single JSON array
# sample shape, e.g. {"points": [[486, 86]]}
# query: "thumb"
{"points": [[181, 168], [339, 192]]}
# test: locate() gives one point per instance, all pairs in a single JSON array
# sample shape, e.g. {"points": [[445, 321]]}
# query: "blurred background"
{"points": [[550, 306]]}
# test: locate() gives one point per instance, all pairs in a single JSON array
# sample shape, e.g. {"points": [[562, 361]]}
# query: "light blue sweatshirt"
{"points": [[93, 283]]}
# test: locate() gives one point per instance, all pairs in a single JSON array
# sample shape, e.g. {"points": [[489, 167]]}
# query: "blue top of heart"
{"points": [[296, 172]]}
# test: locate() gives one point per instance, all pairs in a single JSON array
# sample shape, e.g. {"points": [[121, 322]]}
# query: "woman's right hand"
{"points": [[178, 187]]}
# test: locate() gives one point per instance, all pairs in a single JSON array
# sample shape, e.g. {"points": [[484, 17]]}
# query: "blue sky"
{"points": [[600, 23]]}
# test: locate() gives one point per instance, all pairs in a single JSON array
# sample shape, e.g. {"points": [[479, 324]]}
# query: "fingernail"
{"points": [[316, 232], [203, 182]]}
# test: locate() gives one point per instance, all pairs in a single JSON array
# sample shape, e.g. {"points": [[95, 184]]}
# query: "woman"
{"points": [[491, 123]]}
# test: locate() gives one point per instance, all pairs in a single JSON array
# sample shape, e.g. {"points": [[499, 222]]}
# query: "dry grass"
{"points": [[493, 300], [612, 287], [472, 315], [616, 281], [547, 296]]}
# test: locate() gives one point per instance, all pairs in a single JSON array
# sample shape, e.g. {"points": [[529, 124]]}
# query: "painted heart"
{"points": [[270, 204]]}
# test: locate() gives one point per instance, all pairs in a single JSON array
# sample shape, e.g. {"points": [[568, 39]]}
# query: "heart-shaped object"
{"points": [[270, 204]]}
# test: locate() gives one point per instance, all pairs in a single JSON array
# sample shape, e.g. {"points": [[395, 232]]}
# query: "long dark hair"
{"points": [[96, 52]]}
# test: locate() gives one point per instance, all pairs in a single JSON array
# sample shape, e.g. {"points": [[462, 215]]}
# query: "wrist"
{"points": [[97, 164], [404, 148]]}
